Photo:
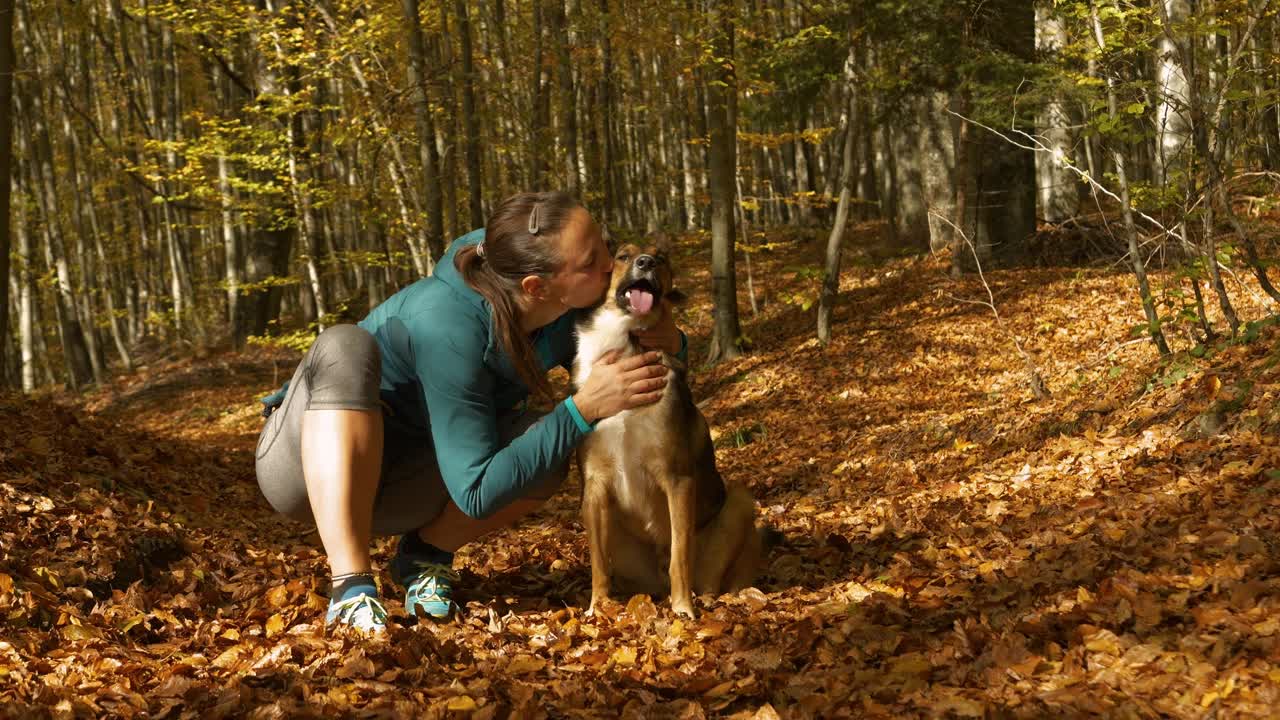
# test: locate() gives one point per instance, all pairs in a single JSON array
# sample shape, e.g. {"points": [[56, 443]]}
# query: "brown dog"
{"points": [[651, 492]]}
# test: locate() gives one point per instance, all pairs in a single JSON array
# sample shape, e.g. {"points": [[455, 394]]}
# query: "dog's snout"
{"points": [[646, 262]]}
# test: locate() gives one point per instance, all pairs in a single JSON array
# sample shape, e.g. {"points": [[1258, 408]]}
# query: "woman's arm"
{"points": [[481, 475]]}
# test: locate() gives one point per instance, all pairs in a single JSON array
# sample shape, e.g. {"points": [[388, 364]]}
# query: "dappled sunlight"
{"points": [[947, 541]]}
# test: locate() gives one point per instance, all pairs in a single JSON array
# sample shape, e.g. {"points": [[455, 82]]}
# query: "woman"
{"points": [[413, 422]]}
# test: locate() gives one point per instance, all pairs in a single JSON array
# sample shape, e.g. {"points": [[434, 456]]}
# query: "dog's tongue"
{"points": [[641, 300]]}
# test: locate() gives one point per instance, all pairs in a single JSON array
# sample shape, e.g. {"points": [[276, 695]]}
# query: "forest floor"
{"points": [[954, 547]]}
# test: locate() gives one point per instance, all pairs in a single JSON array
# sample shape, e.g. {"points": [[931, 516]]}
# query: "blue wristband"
{"points": [[683, 355], [578, 420]]}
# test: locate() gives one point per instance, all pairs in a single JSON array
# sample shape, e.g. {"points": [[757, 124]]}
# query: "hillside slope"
{"points": [[954, 547]]}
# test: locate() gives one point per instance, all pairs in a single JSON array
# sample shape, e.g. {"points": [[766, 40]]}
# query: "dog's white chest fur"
{"points": [[627, 436]]}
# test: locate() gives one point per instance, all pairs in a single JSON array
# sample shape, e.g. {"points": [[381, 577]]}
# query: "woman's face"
{"points": [[584, 277]]}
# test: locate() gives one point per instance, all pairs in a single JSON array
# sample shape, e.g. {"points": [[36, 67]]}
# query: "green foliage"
{"points": [[808, 284], [790, 71], [298, 340], [742, 436]]}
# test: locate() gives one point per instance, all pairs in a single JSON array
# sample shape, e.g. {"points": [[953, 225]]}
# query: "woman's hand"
{"points": [[662, 335], [615, 385]]}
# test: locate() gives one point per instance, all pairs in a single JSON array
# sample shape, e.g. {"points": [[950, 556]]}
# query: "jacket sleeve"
{"points": [[481, 475]]}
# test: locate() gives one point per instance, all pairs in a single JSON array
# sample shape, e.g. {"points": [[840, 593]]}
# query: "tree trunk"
{"points": [[568, 110], [911, 219], [540, 117], [6, 165], [74, 348], [269, 246], [835, 241], [231, 253], [803, 172], [1130, 231], [470, 121], [1058, 188], [606, 108], [300, 170], [429, 154], [1005, 197], [447, 136], [1173, 127], [722, 124], [938, 169], [26, 300]]}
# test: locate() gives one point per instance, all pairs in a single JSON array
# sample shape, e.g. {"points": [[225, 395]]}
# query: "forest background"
{"points": [[982, 310], [199, 174]]}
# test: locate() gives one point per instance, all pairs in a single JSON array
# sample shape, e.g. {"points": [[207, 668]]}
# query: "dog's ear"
{"points": [[676, 297], [663, 243]]}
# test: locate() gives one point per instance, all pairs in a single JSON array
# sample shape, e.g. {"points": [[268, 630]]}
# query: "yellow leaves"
{"points": [[358, 665], [624, 656], [1223, 691], [275, 625], [278, 596], [76, 631], [910, 664], [229, 658], [1100, 640], [903, 572], [1240, 468], [766, 712], [1268, 627], [462, 703], [755, 599], [960, 705], [641, 608], [719, 690], [711, 629], [528, 664]]}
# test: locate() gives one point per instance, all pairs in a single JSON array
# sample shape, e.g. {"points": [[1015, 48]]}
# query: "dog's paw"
{"points": [[684, 607], [595, 608]]}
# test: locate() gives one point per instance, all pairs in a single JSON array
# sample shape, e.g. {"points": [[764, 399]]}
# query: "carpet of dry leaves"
{"points": [[953, 547]]}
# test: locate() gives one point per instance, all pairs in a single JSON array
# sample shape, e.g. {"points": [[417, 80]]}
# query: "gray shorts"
{"points": [[342, 371]]}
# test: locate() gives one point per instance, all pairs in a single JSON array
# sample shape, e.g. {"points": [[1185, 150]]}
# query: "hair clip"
{"points": [[480, 248], [533, 220]]}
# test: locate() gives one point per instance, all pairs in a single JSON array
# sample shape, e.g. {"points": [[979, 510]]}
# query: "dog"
{"points": [[651, 493]]}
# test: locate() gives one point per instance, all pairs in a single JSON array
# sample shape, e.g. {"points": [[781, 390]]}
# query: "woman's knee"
{"points": [[347, 341], [344, 368]]}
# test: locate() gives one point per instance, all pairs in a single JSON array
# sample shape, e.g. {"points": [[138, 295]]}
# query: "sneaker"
{"points": [[362, 612], [428, 590], [428, 585]]}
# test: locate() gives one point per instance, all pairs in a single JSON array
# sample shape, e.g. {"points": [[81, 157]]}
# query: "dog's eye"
{"points": [[623, 257]]}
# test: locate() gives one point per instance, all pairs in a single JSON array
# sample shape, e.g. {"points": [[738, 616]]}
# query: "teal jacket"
{"points": [[445, 377]]}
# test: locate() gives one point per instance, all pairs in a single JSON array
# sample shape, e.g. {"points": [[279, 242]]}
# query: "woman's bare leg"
{"points": [[452, 528], [341, 462]]}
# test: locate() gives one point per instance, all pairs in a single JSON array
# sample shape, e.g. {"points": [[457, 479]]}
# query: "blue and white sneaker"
{"points": [[427, 579], [362, 612]]}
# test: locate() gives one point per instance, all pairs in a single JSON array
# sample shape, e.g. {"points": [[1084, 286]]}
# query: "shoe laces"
{"points": [[362, 612], [422, 569]]}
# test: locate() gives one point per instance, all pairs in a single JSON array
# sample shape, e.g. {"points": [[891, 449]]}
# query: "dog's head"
{"points": [[642, 279]]}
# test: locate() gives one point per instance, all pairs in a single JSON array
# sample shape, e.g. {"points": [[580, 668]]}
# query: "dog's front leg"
{"points": [[680, 504], [595, 515]]}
